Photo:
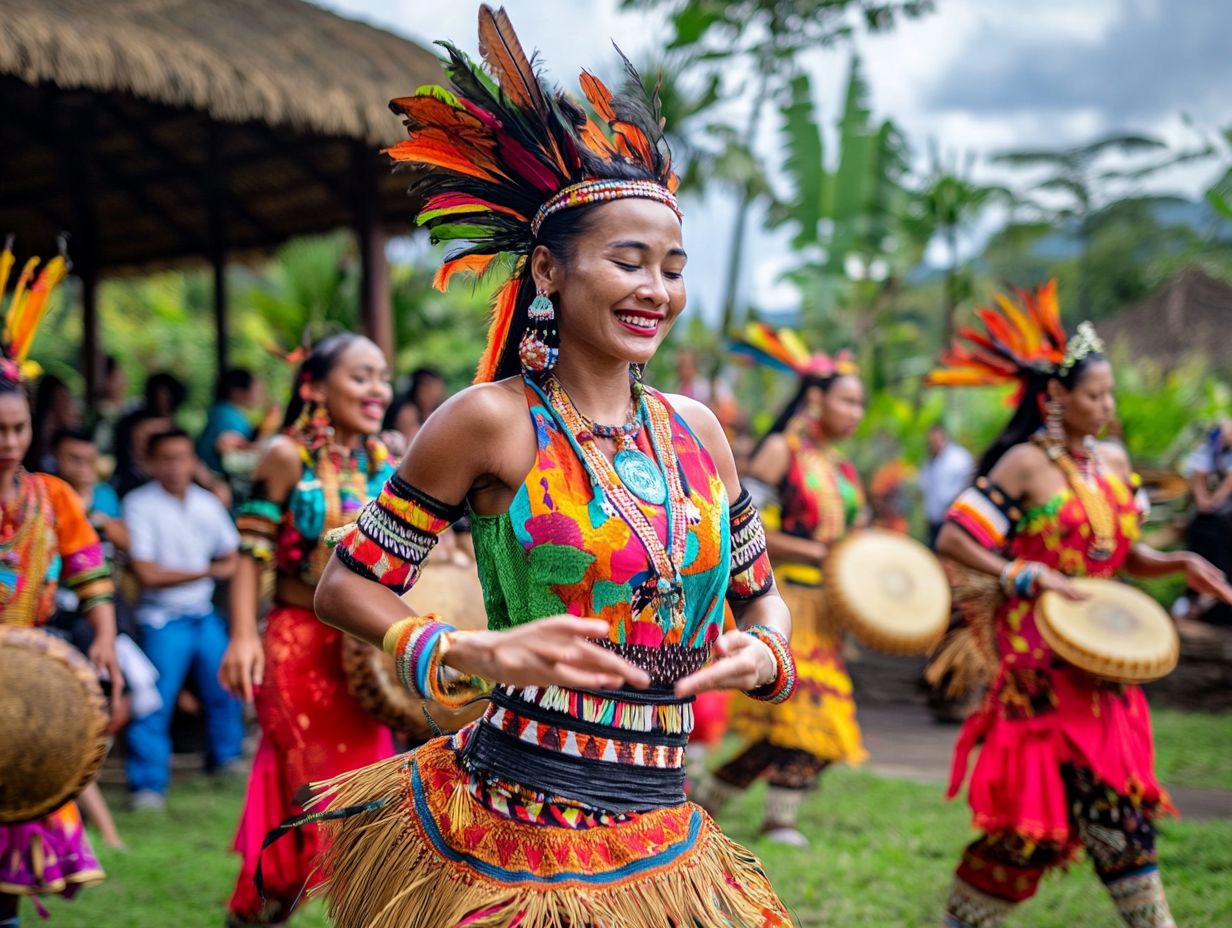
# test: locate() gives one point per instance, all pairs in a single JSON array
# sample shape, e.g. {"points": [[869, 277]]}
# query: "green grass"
{"points": [[883, 854], [1192, 748]]}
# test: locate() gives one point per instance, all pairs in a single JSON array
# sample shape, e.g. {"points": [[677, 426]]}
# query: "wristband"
{"points": [[783, 685], [417, 645]]}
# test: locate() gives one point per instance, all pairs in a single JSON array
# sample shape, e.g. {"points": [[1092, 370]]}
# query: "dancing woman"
{"points": [[1067, 759], [810, 497], [313, 478], [45, 540], [608, 526]]}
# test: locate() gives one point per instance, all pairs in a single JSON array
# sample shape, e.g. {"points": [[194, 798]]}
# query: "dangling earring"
{"points": [[313, 424], [1056, 421], [539, 349]]}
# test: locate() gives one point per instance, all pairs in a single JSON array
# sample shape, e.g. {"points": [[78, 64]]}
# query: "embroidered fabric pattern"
{"points": [[394, 534], [257, 520], [751, 573], [986, 513]]}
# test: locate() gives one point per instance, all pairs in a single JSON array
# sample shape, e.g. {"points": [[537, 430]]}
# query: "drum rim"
{"points": [[1098, 665], [82, 671], [844, 609]]}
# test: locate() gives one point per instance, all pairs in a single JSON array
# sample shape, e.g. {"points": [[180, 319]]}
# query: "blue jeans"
{"points": [[196, 643]]}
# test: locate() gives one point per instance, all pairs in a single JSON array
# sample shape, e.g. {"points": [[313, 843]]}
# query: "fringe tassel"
{"points": [[383, 873], [967, 657]]}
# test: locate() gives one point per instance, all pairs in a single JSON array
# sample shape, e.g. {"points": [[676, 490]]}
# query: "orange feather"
{"points": [[599, 96], [476, 264], [500, 48], [502, 320]]}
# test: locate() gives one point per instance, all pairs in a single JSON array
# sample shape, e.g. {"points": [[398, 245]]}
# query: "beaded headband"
{"points": [[601, 191]]}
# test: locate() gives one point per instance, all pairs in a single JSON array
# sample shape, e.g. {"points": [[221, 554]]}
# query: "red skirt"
{"points": [[311, 729], [1016, 785]]}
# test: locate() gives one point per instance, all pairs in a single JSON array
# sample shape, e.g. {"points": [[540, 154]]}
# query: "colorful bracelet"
{"points": [[417, 645], [1020, 578], [783, 685]]}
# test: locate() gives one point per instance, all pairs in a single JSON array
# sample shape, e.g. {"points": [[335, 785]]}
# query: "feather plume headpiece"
{"points": [[784, 350], [25, 310], [1022, 337], [500, 152]]}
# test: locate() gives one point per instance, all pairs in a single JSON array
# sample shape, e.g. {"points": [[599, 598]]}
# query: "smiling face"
{"points": [[621, 286], [356, 391]]}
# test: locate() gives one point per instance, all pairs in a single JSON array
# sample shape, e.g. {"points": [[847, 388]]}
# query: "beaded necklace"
{"points": [[1083, 476], [344, 489], [617, 488], [26, 551]]}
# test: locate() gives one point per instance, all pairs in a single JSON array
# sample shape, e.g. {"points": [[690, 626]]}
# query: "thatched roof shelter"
{"points": [[166, 132], [1189, 316]]}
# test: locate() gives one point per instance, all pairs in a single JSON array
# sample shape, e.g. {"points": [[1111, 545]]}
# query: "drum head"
{"points": [[452, 592], [53, 723], [889, 590], [1118, 633]]}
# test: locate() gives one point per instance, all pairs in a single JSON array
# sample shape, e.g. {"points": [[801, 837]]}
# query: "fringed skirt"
{"points": [[442, 851], [49, 855], [820, 717]]}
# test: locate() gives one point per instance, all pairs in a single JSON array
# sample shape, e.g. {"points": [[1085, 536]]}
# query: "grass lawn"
{"points": [[1193, 748], [883, 856]]}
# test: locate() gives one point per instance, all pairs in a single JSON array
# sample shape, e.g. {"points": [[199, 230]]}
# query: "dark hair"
{"points": [[63, 435], [418, 376], [1028, 417], [164, 382], [152, 443], [237, 378], [792, 406], [558, 234], [322, 358]]}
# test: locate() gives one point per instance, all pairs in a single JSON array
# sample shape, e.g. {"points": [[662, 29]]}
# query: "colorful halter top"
{"points": [[561, 549]]}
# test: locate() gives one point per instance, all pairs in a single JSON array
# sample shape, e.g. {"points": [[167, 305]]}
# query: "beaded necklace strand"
{"points": [[1083, 476], [617, 499]]}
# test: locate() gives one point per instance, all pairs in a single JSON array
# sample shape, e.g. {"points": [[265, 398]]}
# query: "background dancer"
{"points": [[811, 497], [1067, 759], [45, 540], [314, 477]]}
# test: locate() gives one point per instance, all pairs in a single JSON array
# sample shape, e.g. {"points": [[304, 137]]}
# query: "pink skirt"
{"points": [[46, 856]]}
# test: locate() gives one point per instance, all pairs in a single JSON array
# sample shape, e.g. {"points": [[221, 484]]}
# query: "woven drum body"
{"points": [[889, 591], [452, 592], [1118, 633], [53, 723]]}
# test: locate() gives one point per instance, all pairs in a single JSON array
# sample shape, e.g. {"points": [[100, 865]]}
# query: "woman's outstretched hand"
{"points": [[554, 651], [1205, 577], [741, 663]]}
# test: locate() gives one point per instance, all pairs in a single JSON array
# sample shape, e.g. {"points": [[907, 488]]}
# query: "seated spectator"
{"points": [[1209, 469], [181, 540], [76, 461], [227, 426]]}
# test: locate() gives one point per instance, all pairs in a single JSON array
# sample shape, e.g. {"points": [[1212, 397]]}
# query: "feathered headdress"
{"points": [[783, 350], [26, 309], [1022, 337], [503, 151]]}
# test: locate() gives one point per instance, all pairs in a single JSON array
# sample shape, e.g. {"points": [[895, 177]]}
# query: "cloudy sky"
{"points": [[976, 75]]}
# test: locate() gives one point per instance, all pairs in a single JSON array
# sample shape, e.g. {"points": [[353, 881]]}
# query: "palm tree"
{"points": [[949, 201], [1076, 174]]}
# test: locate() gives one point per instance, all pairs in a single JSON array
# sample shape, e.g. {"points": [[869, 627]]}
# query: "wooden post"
{"points": [[215, 189], [375, 311], [74, 123]]}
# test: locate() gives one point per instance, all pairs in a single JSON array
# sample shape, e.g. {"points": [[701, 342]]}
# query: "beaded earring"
{"points": [[539, 349], [313, 424], [1056, 421]]}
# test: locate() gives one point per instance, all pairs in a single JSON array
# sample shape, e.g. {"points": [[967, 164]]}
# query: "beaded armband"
{"points": [[784, 683], [88, 575], [417, 645], [394, 534], [751, 574], [257, 520], [987, 513]]}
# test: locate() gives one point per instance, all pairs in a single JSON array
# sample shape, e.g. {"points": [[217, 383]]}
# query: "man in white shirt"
{"points": [[948, 470], [1209, 469], [181, 539]]}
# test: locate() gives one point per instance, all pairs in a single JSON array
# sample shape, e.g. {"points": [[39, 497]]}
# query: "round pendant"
{"points": [[641, 475]]}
